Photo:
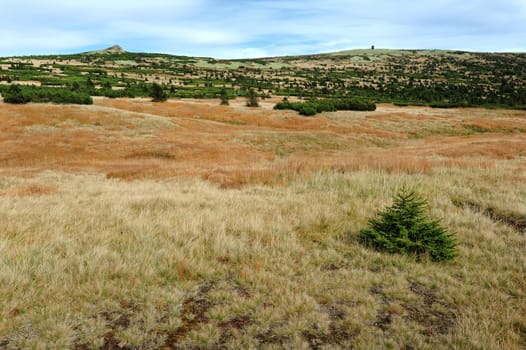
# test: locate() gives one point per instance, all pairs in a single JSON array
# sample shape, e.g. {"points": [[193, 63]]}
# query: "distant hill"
{"points": [[115, 49], [440, 78]]}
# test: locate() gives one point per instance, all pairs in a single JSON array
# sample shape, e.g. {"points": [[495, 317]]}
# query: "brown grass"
{"points": [[133, 139], [133, 225], [33, 189]]}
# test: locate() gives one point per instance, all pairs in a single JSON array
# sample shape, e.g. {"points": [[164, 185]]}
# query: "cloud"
{"points": [[179, 33], [221, 28]]}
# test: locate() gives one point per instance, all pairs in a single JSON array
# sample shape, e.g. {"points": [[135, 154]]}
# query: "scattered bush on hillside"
{"points": [[15, 95], [252, 98], [314, 106], [158, 94], [224, 97], [404, 228]]}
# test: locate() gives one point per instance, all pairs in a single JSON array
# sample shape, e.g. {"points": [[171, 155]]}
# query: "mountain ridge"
{"points": [[118, 49]]}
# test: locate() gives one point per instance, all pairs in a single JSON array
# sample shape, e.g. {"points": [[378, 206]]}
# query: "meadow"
{"points": [[128, 224]]}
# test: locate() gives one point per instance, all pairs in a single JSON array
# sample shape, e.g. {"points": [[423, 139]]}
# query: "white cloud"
{"points": [[260, 27], [176, 32]]}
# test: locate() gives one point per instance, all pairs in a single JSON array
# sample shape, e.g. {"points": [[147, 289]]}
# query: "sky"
{"points": [[259, 28]]}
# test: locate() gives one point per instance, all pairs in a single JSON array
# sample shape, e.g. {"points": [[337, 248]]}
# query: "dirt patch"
{"points": [[115, 321], [383, 320], [338, 334], [427, 314], [270, 337], [242, 291], [332, 267], [120, 320], [378, 291], [193, 313], [433, 314], [230, 326], [334, 310], [384, 317]]}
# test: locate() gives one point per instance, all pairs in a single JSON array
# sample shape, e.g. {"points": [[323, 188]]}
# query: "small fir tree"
{"points": [[404, 228]]}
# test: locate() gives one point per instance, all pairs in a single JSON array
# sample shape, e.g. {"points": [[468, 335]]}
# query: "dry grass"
{"points": [[244, 234]]}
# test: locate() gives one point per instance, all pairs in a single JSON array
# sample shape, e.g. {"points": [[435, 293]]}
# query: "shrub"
{"points": [[15, 95], [224, 97], [314, 106], [404, 228], [158, 94], [24, 94], [252, 98], [308, 110], [284, 104]]}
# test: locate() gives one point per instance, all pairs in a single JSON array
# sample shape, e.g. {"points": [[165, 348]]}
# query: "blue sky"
{"points": [[256, 28]]}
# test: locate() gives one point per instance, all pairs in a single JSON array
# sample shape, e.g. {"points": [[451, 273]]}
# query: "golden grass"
{"points": [[122, 259], [33, 189], [182, 232]]}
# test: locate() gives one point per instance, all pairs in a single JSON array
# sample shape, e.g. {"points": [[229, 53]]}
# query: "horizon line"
{"points": [[371, 48]]}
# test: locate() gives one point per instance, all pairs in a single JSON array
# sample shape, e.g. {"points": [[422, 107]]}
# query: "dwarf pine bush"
{"points": [[404, 228], [314, 106], [158, 94], [252, 98], [25, 94]]}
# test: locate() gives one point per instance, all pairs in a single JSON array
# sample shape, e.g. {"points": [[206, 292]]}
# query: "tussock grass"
{"points": [[132, 225], [145, 264]]}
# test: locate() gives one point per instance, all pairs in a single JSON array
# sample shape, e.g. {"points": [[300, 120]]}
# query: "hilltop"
{"points": [[115, 49]]}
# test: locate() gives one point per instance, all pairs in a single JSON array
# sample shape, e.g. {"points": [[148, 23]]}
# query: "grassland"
{"points": [[128, 224]]}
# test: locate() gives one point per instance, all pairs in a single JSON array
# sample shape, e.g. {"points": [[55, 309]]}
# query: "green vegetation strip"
{"points": [[314, 106], [23, 94]]}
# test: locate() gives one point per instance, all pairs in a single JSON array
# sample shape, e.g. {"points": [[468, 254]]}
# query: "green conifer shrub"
{"points": [[158, 94], [224, 97], [252, 98], [405, 229]]}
